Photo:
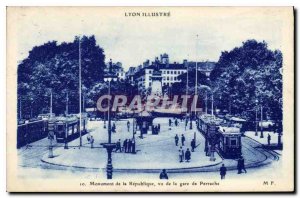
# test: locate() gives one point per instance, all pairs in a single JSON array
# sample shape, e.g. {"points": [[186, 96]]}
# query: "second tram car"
{"points": [[220, 133], [230, 145]]}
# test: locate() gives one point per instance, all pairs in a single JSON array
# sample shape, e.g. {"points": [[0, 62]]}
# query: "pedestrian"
{"points": [[193, 145], [181, 155], [239, 166], [176, 122], [158, 127], [176, 140], [118, 146], [187, 155], [243, 164], [269, 139], [133, 146], [88, 138], [223, 170], [128, 126], [170, 122], [125, 146], [129, 146], [114, 128], [92, 141], [182, 140], [163, 174]]}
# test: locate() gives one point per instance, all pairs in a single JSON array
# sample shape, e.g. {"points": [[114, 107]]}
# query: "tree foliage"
{"points": [[248, 77], [54, 67]]}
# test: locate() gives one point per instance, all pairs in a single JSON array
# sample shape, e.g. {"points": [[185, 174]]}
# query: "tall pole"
{"points": [[196, 68], [67, 104], [51, 103], [261, 124], [108, 116], [80, 92], [187, 88], [256, 120]]}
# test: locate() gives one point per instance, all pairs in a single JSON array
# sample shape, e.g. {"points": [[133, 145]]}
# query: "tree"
{"points": [[54, 68], [248, 74]]}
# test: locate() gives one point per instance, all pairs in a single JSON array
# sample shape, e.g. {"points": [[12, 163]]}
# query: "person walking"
{"points": [[176, 122], [128, 126], [223, 170], [163, 174], [243, 164], [92, 141], [129, 145], [182, 140], [176, 140], [133, 146], [125, 146], [181, 154], [170, 122], [187, 155], [118, 146], [269, 139], [193, 145], [113, 129]]}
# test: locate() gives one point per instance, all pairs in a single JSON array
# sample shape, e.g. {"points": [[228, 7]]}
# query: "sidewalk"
{"points": [[153, 152]]}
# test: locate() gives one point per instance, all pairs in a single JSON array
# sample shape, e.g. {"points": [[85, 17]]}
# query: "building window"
{"points": [[150, 71], [167, 77], [168, 72], [175, 72], [164, 78], [171, 72], [171, 78], [149, 84], [164, 72]]}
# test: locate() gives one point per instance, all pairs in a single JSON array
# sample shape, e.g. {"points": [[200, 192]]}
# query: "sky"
{"points": [[132, 40]]}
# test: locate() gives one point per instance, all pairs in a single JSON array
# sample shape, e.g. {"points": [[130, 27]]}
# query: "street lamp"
{"points": [[109, 77], [261, 124], [256, 102]]}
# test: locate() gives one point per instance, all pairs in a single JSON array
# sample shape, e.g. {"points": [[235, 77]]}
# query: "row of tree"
{"points": [[244, 80], [54, 68]]}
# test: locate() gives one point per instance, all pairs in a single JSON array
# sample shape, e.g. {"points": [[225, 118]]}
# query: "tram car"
{"points": [[31, 131], [208, 123], [230, 145], [65, 128]]}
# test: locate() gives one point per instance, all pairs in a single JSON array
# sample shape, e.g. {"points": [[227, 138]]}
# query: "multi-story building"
{"points": [[169, 72]]}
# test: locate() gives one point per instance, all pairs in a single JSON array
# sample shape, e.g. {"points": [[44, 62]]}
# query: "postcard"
{"points": [[150, 99]]}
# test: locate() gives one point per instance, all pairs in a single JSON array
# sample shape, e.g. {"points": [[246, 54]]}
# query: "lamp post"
{"points": [[256, 102], [187, 88], [196, 68], [110, 76], [80, 91], [261, 120]]}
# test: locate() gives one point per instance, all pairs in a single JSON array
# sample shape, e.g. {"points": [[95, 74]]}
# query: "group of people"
{"points": [[184, 155], [177, 139], [155, 129], [128, 146], [240, 167]]}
